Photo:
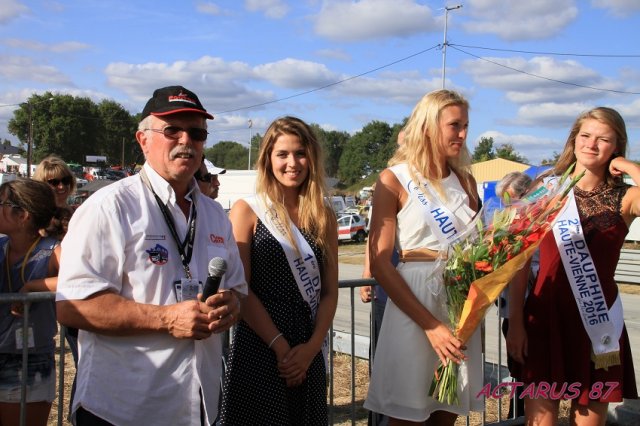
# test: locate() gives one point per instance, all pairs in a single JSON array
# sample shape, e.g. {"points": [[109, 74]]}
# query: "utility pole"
{"points": [[29, 140], [30, 135], [444, 43], [250, 137]]}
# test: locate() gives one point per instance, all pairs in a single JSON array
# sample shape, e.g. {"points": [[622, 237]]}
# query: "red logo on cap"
{"points": [[181, 97]]}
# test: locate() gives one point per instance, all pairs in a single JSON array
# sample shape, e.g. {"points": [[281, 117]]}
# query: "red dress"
{"points": [[559, 349]]}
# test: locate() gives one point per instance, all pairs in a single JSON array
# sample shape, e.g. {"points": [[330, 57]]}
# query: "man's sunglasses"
{"points": [[174, 132], [67, 180], [206, 178]]}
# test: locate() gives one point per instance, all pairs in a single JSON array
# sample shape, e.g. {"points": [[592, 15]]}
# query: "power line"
{"points": [[330, 84], [592, 55], [545, 78]]}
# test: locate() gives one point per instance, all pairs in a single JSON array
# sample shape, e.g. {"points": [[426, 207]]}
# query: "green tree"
{"points": [[228, 155], [74, 127], [508, 152], [483, 151], [551, 161], [361, 156], [117, 133], [333, 143]]}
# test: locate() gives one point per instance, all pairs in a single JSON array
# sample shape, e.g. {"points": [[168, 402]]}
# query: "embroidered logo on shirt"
{"points": [[155, 237], [216, 239], [158, 255]]}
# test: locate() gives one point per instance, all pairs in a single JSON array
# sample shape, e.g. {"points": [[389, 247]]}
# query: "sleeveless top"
{"points": [[410, 236], [42, 315]]}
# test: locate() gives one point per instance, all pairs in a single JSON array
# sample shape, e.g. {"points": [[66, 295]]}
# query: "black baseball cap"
{"points": [[172, 100]]}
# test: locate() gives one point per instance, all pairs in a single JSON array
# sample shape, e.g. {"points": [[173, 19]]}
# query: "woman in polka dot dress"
{"points": [[287, 236]]}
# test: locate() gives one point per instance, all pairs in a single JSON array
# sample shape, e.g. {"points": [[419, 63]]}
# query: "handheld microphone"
{"points": [[217, 268]]}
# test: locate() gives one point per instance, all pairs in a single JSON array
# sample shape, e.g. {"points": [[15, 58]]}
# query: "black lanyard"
{"points": [[185, 248]]}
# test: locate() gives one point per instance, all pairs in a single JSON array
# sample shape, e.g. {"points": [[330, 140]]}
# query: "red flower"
{"points": [[484, 266]]}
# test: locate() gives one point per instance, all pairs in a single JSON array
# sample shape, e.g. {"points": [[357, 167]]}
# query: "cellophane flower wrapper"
{"points": [[482, 262]]}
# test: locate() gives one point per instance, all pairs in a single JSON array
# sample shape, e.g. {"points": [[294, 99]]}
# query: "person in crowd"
{"points": [[29, 263], [556, 339], [511, 188], [133, 266], [424, 197], [288, 240], [54, 171], [379, 297], [207, 177]]}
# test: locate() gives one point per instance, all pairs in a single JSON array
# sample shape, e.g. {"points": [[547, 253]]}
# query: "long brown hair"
{"points": [[608, 116], [421, 150], [314, 214]]}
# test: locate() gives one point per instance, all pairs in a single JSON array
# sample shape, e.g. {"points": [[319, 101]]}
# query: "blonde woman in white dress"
{"points": [[420, 220]]}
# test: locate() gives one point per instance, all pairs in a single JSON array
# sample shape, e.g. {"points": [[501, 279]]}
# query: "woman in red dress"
{"points": [[556, 357]]}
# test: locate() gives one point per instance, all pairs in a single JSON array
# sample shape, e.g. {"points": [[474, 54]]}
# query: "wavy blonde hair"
{"points": [[608, 116], [421, 149], [315, 216]]}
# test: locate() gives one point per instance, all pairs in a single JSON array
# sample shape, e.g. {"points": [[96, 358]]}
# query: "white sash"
{"points": [[304, 265], [443, 223], [603, 325]]}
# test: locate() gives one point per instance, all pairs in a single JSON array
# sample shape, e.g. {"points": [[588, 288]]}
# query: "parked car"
{"points": [[351, 227]]}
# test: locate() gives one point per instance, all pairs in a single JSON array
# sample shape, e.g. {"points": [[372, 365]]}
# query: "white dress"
{"points": [[404, 360]]}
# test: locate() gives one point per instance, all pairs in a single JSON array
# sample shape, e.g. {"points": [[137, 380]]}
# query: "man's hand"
{"points": [[224, 310], [185, 320]]}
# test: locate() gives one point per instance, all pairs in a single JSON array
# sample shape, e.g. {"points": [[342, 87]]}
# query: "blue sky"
{"points": [[387, 54]]}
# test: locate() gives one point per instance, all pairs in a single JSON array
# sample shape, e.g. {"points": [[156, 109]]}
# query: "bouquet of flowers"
{"points": [[483, 261]]}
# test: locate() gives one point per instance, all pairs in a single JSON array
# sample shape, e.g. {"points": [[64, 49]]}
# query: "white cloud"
{"points": [[219, 84], [520, 20], [534, 83], [337, 54], [404, 90], [67, 46], [22, 68], [275, 9], [296, 74], [373, 19], [630, 113], [208, 8], [11, 9], [550, 114], [619, 8], [534, 148]]}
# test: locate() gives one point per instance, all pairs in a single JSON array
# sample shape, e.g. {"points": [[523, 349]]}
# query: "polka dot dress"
{"points": [[253, 393]]}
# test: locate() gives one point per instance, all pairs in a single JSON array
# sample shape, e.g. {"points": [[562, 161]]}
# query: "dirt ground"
{"points": [[353, 254]]}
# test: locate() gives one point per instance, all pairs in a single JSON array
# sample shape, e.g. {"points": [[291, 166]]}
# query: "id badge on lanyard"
{"points": [[187, 289]]}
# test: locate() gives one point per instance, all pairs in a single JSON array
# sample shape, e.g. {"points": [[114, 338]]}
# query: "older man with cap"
{"points": [[131, 274], [207, 177]]}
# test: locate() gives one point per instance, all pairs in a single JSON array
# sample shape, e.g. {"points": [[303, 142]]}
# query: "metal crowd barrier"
{"points": [[28, 299]]}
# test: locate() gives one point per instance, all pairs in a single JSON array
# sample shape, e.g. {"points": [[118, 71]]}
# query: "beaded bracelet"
{"points": [[274, 339]]}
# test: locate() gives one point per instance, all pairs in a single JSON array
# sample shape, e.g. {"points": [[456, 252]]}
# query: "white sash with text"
{"points": [[602, 324], [303, 263], [442, 222]]}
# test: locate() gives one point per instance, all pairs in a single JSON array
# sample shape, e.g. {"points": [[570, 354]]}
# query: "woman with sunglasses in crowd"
{"points": [[28, 263], [56, 173]]}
